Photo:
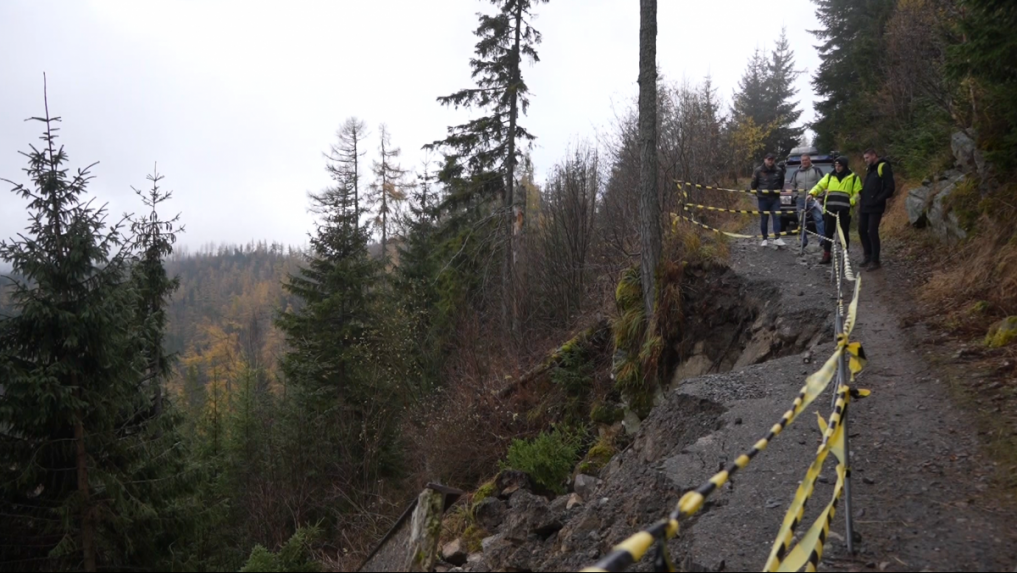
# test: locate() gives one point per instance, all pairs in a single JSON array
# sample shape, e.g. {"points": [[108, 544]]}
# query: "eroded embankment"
{"points": [[741, 357], [923, 498]]}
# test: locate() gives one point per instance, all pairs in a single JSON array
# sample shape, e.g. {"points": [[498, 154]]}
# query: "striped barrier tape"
{"points": [[810, 548], [634, 548], [689, 207], [675, 217], [848, 273], [686, 184]]}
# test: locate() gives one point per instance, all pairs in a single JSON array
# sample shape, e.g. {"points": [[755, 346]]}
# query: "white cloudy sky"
{"points": [[237, 100]]}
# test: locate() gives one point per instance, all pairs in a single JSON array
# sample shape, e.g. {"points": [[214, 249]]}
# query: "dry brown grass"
{"points": [[974, 282], [962, 288], [984, 268]]}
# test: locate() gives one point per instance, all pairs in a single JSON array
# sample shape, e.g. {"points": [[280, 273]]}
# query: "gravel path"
{"points": [[923, 494]]}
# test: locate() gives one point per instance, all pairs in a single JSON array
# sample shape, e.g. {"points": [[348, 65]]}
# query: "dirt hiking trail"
{"points": [[923, 493], [925, 498]]}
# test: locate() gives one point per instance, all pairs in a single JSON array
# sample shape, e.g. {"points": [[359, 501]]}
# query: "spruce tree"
{"points": [[765, 100], [387, 192], [750, 126], [154, 238], [780, 93], [987, 55], [487, 148], [850, 35], [415, 280], [751, 99], [335, 362], [88, 480]]}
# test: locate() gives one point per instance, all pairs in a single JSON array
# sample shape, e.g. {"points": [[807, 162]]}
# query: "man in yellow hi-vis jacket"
{"points": [[842, 187]]}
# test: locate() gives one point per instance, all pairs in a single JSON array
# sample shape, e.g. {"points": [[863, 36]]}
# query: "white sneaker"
{"points": [[765, 243], [780, 242]]}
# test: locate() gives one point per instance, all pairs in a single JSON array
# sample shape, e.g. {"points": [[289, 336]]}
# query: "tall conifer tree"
{"points": [[850, 35], [387, 191], [344, 159], [335, 359], [488, 147], [781, 91], [89, 477], [155, 238], [416, 276]]}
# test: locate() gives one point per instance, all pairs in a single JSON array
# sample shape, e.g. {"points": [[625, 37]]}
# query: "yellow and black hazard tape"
{"points": [[809, 550], [689, 207], [832, 439], [675, 217], [744, 191], [633, 549], [848, 273]]}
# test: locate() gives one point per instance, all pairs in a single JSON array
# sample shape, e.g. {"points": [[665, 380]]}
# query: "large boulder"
{"points": [[969, 158], [454, 552], [490, 513], [917, 204], [510, 481], [943, 221], [529, 515], [964, 149], [503, 554], [927, 205]]}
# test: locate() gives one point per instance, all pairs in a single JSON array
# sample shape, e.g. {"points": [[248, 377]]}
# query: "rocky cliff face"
{"points": [[929, 204]]}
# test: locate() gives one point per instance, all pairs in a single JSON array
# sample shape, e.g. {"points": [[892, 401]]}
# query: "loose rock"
{"points": [[586, 485]]}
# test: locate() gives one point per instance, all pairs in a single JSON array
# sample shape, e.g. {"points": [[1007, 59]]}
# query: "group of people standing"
{"points": [[831, 197]]}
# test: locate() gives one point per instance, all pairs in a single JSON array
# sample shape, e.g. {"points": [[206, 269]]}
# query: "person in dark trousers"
{"points": [[842, 188], [767, 181], [806, 177], [878, 187]]}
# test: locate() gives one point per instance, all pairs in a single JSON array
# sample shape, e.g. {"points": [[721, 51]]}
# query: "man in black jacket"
{"points": [[878, 187], [767, 181]]}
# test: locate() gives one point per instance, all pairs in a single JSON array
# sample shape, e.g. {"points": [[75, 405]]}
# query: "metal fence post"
{"points": [[842, 379]]}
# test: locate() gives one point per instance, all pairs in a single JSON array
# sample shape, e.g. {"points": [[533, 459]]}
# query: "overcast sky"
{"points": [[237, 100]]}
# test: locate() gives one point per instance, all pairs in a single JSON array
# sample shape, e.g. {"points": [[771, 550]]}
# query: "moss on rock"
{"points": [[607, 414], [1002, 333]]}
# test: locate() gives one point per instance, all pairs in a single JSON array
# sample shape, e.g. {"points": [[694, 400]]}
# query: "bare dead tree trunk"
{"points": [[356, 177], [649, 206], [87, 517], [384, 199], [514, 212]]}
